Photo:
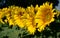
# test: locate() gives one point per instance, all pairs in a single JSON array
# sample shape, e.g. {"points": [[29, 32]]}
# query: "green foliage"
{"points": [[7, 31]]}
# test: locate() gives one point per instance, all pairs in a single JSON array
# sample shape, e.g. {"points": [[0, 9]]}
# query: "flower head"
{"points": [[46, 15]]}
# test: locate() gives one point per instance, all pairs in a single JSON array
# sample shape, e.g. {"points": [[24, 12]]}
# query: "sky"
{"points": [[58, 7]]}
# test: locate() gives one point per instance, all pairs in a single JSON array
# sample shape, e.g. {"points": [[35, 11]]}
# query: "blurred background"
{"points": [[53, 31], [25, 3]]}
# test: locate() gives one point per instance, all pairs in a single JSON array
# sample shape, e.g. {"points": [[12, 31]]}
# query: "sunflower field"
{"points": [[29, 19]]}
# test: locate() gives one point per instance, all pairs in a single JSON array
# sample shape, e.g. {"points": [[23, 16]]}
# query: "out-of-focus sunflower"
{"points": [[31, 25], [19, 17], [46, 15], [18, 21], [31, 29], [1, 15], [30, 21]]}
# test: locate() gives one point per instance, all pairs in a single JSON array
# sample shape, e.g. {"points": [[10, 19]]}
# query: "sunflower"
{"points": [[31, 29], [30, 21], [45, 15], [19, 15], [1, 16]]}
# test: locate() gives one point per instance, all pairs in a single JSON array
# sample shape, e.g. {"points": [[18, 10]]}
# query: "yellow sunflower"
{"points": [[46, 15], [19, 17], [1, 15], [31, 29], [30, 20], [31, 25]]}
